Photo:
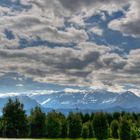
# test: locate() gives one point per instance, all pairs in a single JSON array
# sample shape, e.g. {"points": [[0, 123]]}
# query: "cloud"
{"points": [[129, 24], [133, 65], [63, 22], [57, 65], [77, 5], [83, 65], [46, 19], [97, 30]]}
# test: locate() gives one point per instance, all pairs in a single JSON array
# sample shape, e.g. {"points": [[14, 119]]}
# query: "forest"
{"points": [[15, 123]]}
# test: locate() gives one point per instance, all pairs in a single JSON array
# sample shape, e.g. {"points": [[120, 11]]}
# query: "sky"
{"points": [[70, 43]]}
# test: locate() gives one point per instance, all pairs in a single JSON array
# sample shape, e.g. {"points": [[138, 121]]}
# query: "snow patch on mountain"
{"points": [[46, 101]]}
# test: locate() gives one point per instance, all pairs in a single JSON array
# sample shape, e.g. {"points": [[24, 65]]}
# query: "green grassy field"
{"points": [[55, 139]]}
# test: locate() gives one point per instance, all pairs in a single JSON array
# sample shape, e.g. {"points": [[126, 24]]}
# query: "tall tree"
{"points": [[37, 121], [133, 134], [1, 127], [74, 125], [116, 116], [64, 125], [85, 131], [90, 129], [14, 120], [53, 125], [125, 130], [100, 126], [114, 129], [86, 118]]}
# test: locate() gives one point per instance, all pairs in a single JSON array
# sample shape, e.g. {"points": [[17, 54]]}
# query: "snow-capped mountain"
{"points": [[92, 99], [82, 100]]}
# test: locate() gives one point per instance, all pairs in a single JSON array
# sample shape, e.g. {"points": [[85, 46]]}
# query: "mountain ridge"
{"points": [[92, 100]]}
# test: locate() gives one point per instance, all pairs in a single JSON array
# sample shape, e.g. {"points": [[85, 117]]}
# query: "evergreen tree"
{"points": [[85, 131], [15, 122], [109, 118], [100, 126], [74, 125], [64, 125], [133, 134], [116, 116], [90, 130], [125, 130], [114, 129], [1, 127], [37, 123], [86, 118], [53, 125], [92, 116]]}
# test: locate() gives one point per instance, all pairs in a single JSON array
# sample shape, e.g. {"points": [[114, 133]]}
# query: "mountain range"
{"points": [[77, 100]]}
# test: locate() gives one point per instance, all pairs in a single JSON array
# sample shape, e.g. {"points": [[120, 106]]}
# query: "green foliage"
{"points": [[14, 120], [74, 125], [114, 129], [100, 126], [133, 134], [109, 118], [90, 130], [53, 125], [116, 116], [1, 127], [37, 123], [64, 125], [125, 130], [86, 118], [85, 131]]}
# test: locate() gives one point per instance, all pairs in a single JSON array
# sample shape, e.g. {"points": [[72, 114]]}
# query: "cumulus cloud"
{"points": [[58, 65], [63, 22], [97, 30], [73, 5], [86, 64], [44, 18], [129, 24]]}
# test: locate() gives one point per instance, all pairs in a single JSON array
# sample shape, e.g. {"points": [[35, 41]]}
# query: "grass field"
{"points": [[56, 139]]}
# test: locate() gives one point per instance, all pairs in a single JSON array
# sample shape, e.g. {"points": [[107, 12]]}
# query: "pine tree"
{"points": [[133, 134], [125, 130], [53, 125], [90, 130], [114, 129], [37, 123], [100, 126], [74, 125], [85, 131], [15, 123]]}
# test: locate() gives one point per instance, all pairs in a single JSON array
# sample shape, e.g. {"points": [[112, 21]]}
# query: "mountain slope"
{"points": [[93, 99], [87, 100]]}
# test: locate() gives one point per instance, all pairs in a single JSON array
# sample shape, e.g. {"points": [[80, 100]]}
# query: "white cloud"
{"points": [[85, 64], [97, 30], [129, 24], [43, 18]]}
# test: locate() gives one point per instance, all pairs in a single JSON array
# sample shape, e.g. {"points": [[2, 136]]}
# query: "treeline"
{"points": [[14, 123]]}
